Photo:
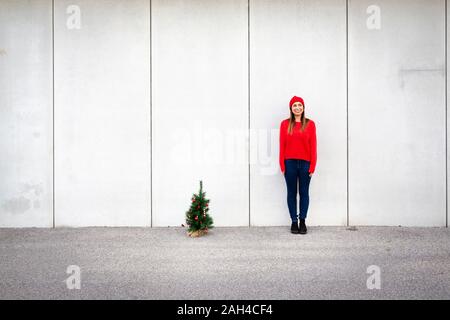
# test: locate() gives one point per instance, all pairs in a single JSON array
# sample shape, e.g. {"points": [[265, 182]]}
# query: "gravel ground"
{"points": [[227, 263]]}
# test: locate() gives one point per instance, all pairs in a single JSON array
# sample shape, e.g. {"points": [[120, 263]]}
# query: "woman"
{"points": [[298, 157]]}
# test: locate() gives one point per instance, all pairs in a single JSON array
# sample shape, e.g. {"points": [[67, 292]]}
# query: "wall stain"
{"points": [[17, 205], [37, 189], [36, 204], [29, 198], [2, 52], [404, 72]]}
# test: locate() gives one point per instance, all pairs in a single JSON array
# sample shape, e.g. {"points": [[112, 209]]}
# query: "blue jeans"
{"points": [[296, 170]]}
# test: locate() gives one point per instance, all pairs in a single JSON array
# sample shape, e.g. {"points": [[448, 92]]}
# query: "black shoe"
{"points": [[294, 227], [302, 229]]}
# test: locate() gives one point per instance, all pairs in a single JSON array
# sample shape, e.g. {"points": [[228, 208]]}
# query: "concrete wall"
{"points": [[102, 113], [199, 109], [151, 96], [298, 49], [26, 114], [396, 114]]}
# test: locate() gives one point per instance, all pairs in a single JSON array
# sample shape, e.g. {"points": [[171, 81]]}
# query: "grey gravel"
{"points": [[227, 263]]}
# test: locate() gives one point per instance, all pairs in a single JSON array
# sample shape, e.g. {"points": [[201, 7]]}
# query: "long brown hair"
{"points": [[303, 120]]}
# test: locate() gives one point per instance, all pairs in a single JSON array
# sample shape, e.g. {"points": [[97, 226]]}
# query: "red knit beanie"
{"points": [[295, 99]]}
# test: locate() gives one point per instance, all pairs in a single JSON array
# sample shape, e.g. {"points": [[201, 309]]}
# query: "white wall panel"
{"points": [[102, 113], [200, 109], [26, 113], [446, 106], [397, 114], [298, 48]]}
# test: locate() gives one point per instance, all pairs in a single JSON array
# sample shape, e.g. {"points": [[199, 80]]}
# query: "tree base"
{"points": [[198, 233]]}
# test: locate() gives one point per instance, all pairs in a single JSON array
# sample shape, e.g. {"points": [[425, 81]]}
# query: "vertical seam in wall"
{"points": [[150, 120], [53, 113], [248, 88], [346, 70], [446, 147]]}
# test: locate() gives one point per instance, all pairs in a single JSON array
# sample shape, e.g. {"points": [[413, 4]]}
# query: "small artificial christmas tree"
{"points": [[197, 218]]}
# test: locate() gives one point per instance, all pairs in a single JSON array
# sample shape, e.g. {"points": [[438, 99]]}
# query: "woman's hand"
{"points": [[310, 174]]}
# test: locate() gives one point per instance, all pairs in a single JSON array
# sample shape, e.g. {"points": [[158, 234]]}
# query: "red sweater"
{"points": [[298, 145]]}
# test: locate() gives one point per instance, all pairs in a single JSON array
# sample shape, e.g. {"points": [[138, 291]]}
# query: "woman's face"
{"points": [[297, 108]]}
